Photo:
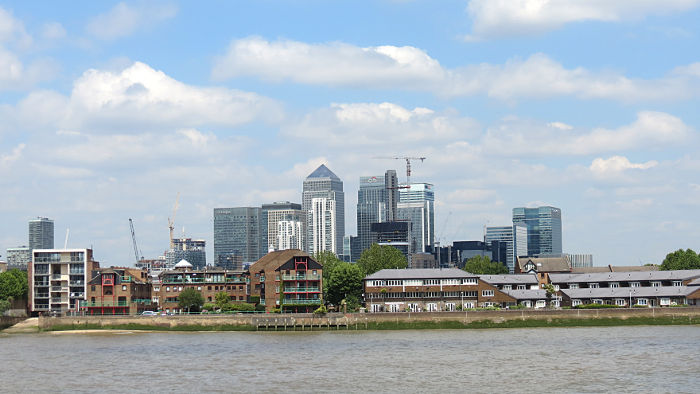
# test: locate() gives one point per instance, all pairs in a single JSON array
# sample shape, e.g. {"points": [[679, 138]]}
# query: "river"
{"points": [[598, 359]]}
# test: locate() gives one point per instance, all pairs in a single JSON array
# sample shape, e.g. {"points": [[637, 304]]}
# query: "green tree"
{"points": [[681, 260], [345, 281], [551, 291], [221, 299], [4, 305], [13, 284], [329, 261], [482, 265], [191, 300], [379, 257]]}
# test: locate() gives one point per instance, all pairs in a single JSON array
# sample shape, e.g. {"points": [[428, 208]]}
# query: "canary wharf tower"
{"points": [[324, 202]]}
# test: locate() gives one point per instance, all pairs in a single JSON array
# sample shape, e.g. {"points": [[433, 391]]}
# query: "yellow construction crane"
{"points": [[171, 221], [408, 164]]}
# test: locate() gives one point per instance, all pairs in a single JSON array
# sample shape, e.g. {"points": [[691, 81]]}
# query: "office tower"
{"points": [[19, 257], [543, 229], [391, 184], [192, 250], [324, 203], [58, 279], [577, 260], [396, 234], [464, 250], [371, 207], [515, 238], [351, 248], [238, 231], [416, 205], [41, 233], [285, 224]]}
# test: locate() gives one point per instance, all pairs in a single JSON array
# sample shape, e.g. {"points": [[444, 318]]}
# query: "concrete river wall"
{"points": [[366, 320]]}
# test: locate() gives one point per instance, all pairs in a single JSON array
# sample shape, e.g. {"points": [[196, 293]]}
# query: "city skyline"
{"points": [[590, 109]]}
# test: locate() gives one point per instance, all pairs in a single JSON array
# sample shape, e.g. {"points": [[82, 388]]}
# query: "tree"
{"points": [[482, 265], [13, 284], [551, 291], [221, 299], [379, 257], [329, 261], [190, 299], [345, 281], [681, 260]]}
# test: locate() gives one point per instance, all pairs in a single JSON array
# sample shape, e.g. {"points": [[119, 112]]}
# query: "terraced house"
{"points": [[117, 291], [430, 290]]}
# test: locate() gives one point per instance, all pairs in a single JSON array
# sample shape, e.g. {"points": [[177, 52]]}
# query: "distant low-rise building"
{"points": [[19, 257]]}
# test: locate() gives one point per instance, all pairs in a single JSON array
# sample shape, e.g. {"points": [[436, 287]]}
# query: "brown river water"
{"points": [[658, 359]]}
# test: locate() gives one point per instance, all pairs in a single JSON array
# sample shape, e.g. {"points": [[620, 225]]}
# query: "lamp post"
{"points": [[630, 304]]}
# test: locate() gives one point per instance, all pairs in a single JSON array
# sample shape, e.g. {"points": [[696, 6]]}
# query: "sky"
{"points": [[108, 110]]}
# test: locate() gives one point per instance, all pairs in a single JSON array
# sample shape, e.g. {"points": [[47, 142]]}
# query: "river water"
{"points": [[599, 359]]}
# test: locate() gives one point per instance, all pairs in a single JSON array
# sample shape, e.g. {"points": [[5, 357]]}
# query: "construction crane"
{"points": [[408, 165], [171, 220], [133, 239]]}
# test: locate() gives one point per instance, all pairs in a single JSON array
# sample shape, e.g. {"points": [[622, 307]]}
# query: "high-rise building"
{"points": [[323, 201], [416, 205], [515, 238], [579, 260], [192, 250], [285, 224], [543, 229], [238, 231], [395, 234], [41, 233], [377, 199], [19, 257]]}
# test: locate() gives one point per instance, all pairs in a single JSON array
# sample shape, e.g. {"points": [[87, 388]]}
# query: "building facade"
{"points": [[544, 235], [238, 231], [417, 206], [581, 260], [515, 239], [19, 257], [323, 201], [118, 291], [371, 207], [58, 279], [41, 233], [285, 226], [192, 250]]}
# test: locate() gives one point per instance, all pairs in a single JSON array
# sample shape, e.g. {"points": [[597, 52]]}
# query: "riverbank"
{"points": [[380, 321]]}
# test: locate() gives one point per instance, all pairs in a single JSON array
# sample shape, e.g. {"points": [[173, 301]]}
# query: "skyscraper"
{"points": [[323, 201], [286, 225], [515, 238], [543, 229], [416, 205], [377, 199], [40, 233], [238, 231], [192, 250]]}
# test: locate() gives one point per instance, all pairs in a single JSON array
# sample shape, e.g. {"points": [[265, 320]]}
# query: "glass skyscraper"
{"points": [[377, 199], [416, 205], [515, 238], [284, 226], [41, 233], [238, 231], [323, 201], [543, 229]]}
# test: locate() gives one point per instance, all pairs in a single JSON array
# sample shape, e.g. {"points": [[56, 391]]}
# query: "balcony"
{"points": [[297, 277], [41, 306], [55, 276], [41, 295], [77, 283], [302, 290], [103, 303], [77, 295], [41, 284], [302, 301], [58, 288], [58, 300]]}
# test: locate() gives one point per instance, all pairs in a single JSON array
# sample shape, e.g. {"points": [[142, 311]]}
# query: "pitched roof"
{"points": [[546, 264], [615, 268], [624, 292], [538, 294], [624, 276], [322, 172], [694, 282], [526, 279], [420, 273], [276, 258]]}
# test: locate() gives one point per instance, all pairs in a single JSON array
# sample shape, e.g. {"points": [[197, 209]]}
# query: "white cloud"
{"points": [[123, 19], [379, 124], [12, 30], [617, 164], [410, 68], [505, 18], [7, 159], [53, 31]]}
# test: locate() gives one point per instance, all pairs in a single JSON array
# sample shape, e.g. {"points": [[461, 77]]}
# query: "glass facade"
{"points": [[238, 231], [41, 233], [544, 237], [290, 234], [416, 205], [192, 250], [515, 239], [323, 184]]}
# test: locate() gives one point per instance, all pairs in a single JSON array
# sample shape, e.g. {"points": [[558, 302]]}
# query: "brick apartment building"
{"points": [[117, 291]]}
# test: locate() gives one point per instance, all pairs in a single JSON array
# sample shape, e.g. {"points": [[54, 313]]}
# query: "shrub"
{"points": [[519, 306], [321, 310], [595, 306], [679, 306], [640, 306], [274, 310], [209, 307], [242, 307]]}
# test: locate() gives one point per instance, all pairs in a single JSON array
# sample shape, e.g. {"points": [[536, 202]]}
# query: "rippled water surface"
{"points": [[605, 359]]}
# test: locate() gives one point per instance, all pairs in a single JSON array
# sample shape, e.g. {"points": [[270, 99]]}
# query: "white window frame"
{"points": [[470, 281], [573, 285], [635, 284], [576, 302], [620, 302], [487, 293], [507, 287], [431, 307], [655, 284], [450, 306], [614, 285], [522, 287], [642, 301], [677, 283]]}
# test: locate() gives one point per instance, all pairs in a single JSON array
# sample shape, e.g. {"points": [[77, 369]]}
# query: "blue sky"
{"points": [[109, 109]]}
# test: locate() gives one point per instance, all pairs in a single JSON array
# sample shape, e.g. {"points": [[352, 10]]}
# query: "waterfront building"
{"points": [[323, 201], [41, 233], [238, 231], [429, 290], [117, 291], [19, 257], [289, 280], [515, 239], [544, 236], [57, 279], [417, 206], [542, 266], [208, 282], [580, 260], [284, 225], [192, 250]]}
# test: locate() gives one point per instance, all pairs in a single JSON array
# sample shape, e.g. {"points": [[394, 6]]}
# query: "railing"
{"points": [[41, 295], [56, 276], [127, 279], [304, 301], [103, 303], [301, 290], [77, 295], [145, 301], [41, 284], [296, 277], [58, 288], [58, 300], [77, 272], [77, 283]]}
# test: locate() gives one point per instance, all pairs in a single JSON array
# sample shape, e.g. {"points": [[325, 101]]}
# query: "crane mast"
{"points": [[133, 239], [408, 165]]}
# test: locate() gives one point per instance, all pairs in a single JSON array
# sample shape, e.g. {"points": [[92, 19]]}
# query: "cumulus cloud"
{"points": [[378, 124], [505, 18], [618, 164], [123, 19], [12, 30], [410, 68]]}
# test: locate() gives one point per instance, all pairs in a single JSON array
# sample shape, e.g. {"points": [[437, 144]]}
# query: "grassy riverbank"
{"points": [[400, 325]]}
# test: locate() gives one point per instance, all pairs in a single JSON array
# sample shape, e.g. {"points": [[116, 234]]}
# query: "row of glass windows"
{"points": [[423, 282], [615, 285], [428, 294]]}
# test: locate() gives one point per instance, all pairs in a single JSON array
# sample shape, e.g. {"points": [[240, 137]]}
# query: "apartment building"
{"points": [[58, 279], [118, 291]]}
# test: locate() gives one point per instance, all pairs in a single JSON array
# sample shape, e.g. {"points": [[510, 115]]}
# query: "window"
{"points": [[431, 282], [575, 302], [376, 283], [450, 294], [393, 283], [450, 306], [642, 301], [431, 307], [167, 288], [469, 281], [450, 281], [413, 282], [199, 288], [598, 301], [655, 284], [620, 301], [677, 283], [665, 301], [208, 287], [522, 287], [92, 288], [315, 272], [507, 287], [635, 284], [472, 294], [593, 285], [487, 293], [573, 286], [123, 287], [468, 305], [614, 285]]}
